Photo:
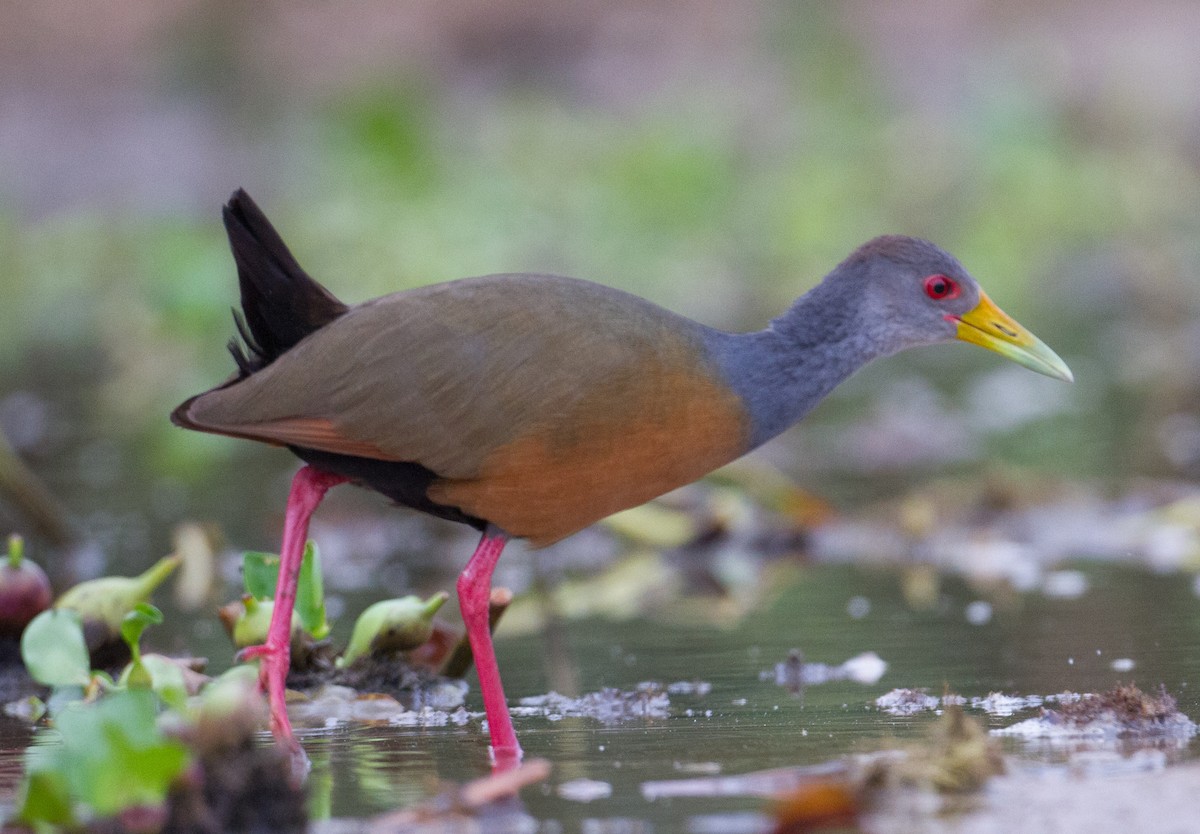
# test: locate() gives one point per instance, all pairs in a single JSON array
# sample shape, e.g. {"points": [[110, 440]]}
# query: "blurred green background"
{"points": [[715, 157]]}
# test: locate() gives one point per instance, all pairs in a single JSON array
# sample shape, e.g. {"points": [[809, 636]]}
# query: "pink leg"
{"points": [[308, 488], [474, 588]]}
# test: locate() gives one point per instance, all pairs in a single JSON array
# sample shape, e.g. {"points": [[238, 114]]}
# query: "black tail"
{"points": [[281, 304]]}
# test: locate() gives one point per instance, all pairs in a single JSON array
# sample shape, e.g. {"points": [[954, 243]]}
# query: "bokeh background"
{"points": [[715, 157]]}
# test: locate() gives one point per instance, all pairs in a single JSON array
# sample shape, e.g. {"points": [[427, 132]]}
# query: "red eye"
{"points": [[939, 287]]}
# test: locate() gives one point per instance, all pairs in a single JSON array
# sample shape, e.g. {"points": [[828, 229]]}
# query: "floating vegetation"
{"points": [[1124, 712], [131, 761], [156, 745], [113, 759], [609, 706]]}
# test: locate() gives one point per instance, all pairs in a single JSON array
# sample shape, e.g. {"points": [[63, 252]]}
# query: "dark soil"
{"points": [[15, 682], [244, 788], [374, 674]]}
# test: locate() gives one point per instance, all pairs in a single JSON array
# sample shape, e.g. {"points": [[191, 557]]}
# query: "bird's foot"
{"points": [[274, 662], [505, 757], [272, 679], [474, 597], [252, 653]]}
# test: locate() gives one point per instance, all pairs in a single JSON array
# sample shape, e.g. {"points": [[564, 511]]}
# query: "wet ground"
{"points": [[702, 702]]}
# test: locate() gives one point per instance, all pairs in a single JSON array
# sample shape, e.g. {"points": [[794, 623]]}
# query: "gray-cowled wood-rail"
{"points": [[532, 405]]}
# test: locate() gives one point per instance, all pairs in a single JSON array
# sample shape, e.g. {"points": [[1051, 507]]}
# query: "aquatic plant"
{"points": [[24, 589], [103, 603], [260, 574], [393, 625]]}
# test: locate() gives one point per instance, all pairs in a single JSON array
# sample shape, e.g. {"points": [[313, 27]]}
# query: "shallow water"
{"points": [[1031, 645], [728, 716]]}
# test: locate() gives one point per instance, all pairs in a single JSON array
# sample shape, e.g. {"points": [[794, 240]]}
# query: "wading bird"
{"points": [[531, 406]]}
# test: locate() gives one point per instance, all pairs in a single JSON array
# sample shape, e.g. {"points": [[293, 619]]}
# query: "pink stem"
{"points": [[474, 588], [308, 488]]}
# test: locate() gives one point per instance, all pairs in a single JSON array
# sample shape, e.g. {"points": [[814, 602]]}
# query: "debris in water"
{"points": [[817, 804], [584, 790], [760, 783], [790, 673], [707, 768], [978, 612], [959, 758], [866, 668], [700, 688], [906, 702], [1065, 584], [610, 706], [1124, 712], [330, 705], [1001, 705], [912, 701], [793, 674], [486, 804], [858, 607]]}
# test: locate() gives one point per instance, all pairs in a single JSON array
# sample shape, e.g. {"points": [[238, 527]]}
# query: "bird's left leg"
{"points": [[474, 586]]}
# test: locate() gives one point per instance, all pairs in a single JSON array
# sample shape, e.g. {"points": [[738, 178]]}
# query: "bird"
{"points": [[530, 406]]}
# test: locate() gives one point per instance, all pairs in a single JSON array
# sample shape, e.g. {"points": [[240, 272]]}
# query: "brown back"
{"points": [[542, 403]]}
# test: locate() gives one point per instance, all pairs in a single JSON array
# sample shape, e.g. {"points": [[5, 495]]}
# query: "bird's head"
{"points": [[915, 293]]}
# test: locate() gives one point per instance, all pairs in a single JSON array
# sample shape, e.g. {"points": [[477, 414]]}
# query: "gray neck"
{"points": [[785, 370]]}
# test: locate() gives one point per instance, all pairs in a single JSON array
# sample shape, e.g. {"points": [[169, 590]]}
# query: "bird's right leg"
{"points": [[308, 488]]}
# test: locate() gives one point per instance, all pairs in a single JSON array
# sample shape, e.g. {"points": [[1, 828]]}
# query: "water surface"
{"points": [[746, 722]]}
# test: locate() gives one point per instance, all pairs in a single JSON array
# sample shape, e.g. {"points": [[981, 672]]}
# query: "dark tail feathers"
{"points": [[281, 304]]}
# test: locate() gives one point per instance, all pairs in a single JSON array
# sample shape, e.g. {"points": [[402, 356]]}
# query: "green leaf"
{"points": [[143, 615], [138, 677], [260, 575], [139, 775], [54, 650], [133, 624], [167, 680], [160, 674], [310, 594], [47, 799], [113, 754]]}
